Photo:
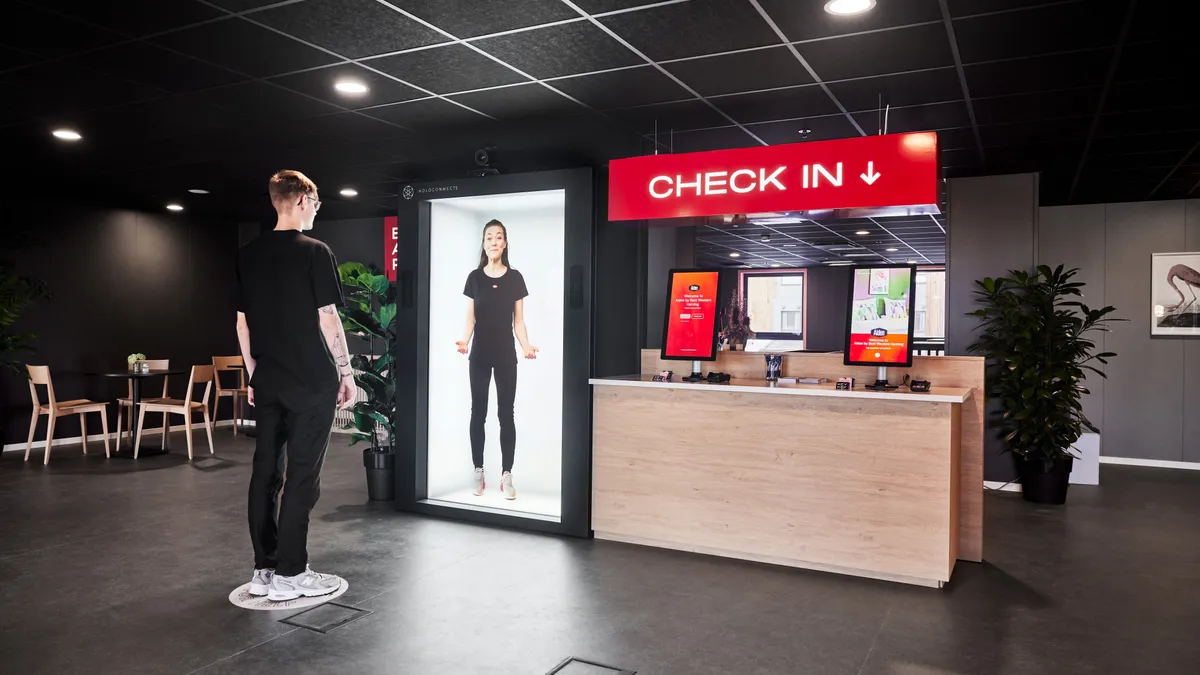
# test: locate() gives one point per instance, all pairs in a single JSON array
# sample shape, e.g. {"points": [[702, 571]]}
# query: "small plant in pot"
{"points": [[735, 322], [370, 315], [1036, 337]]}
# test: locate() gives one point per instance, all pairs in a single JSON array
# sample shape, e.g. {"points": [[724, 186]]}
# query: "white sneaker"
{"points": [[506, 486], [480, 483], [260, 583], [306, 585]]}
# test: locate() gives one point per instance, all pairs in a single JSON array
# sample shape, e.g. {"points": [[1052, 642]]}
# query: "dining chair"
{"points": [[238, 394], [54, 409], [123, 403], [185, 407]]}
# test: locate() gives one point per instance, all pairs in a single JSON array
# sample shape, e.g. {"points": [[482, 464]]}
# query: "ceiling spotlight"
{"points": [[847, 7], [735, 255], [789, 246], [198, 191], [892, 250], [351, 87], [839, 262], [66, 134], [862, 232], [174, 207], [912, 262], [764, 237], [348, 192], [775, 265]]}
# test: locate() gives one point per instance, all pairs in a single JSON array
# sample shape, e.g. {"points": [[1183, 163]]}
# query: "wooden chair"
{"points": [[123, 403], [56, 409], [185, 407], [238, 394]]}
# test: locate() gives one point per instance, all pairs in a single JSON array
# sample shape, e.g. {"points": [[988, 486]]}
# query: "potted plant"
{"points": [[1035, 336], [735, 322], [17, 293], [134, 359], [370, 315]]}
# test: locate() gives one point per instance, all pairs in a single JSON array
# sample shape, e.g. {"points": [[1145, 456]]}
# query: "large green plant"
{"points": [[17, 293], [370, 315], [1035, 335]]}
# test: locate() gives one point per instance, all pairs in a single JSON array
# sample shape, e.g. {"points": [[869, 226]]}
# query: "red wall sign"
{"points": [[872, 171], [391, 245]]}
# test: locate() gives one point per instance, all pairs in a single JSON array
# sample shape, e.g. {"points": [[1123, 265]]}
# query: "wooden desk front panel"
{"points": [[835, 482], [944, 371]]}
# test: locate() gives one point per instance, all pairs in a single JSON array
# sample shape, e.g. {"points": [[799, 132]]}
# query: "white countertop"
{"points": [[748, 386]]}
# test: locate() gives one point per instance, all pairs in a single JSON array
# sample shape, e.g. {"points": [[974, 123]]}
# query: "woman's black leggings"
{"points": [[506, 391]]}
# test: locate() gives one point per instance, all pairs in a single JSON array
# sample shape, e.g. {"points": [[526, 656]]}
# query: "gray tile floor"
{"points": [[122, 567]]}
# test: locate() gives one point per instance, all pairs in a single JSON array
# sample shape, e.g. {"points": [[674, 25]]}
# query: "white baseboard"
{"points": [[1012, 486], [99, 438], [1156, 463]]}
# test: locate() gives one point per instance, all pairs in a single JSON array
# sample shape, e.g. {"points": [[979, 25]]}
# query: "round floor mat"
{"points": [[242, 598]]}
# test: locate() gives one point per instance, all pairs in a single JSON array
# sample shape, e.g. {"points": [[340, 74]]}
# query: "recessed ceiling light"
{"points": [[764, 237], [775, 265], [198, 191], [846, 7], [840, 262], [912, 262], [348, 192], [862, 232], [735, 255], [860, 255], [892, 250], [351, 87], [66, 134], [174, 207]]}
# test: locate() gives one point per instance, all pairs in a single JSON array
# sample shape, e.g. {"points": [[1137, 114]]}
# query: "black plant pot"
{"points": [[381, 474], [1044, 485]]}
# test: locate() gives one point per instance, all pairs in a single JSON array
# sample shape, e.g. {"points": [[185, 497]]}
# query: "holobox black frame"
{"points": [[412, 345]]}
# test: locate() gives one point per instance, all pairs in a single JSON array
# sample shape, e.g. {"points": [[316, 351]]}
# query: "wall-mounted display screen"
{"points": [[495, 397], [691, 321], [881, 316]]}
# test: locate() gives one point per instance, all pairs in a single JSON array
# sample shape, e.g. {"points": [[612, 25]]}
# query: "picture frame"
{"points": [[1175, 294]]}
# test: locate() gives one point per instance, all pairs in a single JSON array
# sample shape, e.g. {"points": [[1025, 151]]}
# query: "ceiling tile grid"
{"points": [[1049, 85]]}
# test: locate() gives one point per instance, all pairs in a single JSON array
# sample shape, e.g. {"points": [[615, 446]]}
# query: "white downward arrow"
{"points": [[870, 176]]}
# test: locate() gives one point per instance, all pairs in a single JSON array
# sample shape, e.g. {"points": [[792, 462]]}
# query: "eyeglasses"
{"points": [[316, 202]]}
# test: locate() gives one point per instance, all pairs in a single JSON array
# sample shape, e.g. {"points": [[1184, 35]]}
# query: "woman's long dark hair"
{"points": [[483, 256]]}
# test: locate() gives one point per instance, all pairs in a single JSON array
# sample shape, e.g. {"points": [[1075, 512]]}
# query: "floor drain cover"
{"points": [[574, 666], [326, 617]]}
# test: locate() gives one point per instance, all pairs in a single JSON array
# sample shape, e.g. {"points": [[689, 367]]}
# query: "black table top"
{"points": [[131, 374]]}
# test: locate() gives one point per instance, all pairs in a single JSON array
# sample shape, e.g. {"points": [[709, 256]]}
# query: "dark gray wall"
{"points": [[1146, 408], [992, 228], [123, 281], [668, 246], [828, 293]]}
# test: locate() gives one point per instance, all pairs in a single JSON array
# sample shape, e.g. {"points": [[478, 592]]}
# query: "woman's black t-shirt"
{"points": [[495, 301]]}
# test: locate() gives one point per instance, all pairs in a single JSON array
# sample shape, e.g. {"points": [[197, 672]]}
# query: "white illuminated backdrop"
{"points": [[534, 221]]}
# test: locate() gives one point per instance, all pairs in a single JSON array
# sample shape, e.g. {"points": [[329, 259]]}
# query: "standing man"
{"points": [[295, 352]]}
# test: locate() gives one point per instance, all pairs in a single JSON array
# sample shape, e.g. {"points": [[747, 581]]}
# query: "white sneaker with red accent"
{"points": [[506, 486], [480, 483]]}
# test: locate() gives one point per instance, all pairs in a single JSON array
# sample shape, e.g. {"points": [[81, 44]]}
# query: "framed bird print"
{"points": [[1175, 294]]}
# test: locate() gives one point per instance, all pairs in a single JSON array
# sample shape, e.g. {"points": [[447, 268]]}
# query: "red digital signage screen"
{"points": [[881, 316], [691, 322]]}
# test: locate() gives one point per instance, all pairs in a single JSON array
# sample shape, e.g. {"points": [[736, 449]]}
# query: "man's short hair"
{"points": [[286, 188]]}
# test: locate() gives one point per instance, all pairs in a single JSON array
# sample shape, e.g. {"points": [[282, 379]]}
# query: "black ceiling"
{"points": [[216, 94], [773, 242]]}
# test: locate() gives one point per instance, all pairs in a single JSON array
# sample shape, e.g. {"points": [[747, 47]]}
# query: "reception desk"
{"points": [[878, 484]]}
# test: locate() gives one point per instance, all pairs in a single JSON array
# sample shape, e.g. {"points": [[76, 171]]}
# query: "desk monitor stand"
{"points": [[696, 375], [881, 381]]}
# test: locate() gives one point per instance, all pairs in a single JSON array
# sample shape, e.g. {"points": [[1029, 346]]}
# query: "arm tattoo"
{"points": [[329, 309], [341, 355]]}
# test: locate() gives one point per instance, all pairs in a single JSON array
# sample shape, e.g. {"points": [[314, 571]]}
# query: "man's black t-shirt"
{"points": [[284, 277], [495, 301]]}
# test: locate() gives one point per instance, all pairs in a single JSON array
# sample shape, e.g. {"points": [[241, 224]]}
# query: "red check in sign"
{"points": [[867, 172]]}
